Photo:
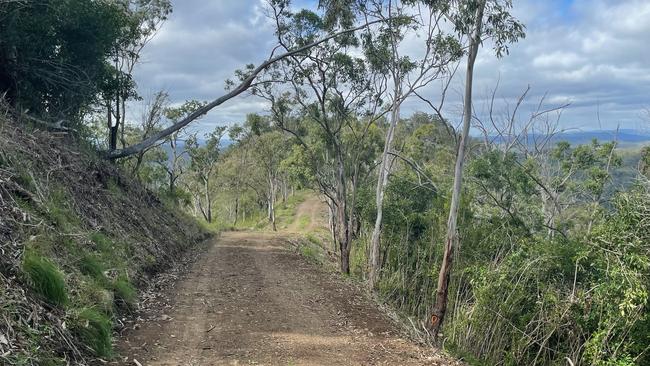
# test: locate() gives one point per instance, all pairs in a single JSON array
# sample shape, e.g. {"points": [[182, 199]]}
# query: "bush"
{"points": [[94, 330], [45, 278]]}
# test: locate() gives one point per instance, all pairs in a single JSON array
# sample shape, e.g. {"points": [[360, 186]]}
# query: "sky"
{"points": [[592, 54]]}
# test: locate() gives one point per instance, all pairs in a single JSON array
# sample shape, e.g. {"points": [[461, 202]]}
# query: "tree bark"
{"points": [[236, 209], [382, 181], [440, 306], [343, 232], [272, 202], [208, 200]]}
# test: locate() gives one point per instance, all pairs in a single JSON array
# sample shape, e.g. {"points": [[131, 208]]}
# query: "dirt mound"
{"points": [[77, 238]]}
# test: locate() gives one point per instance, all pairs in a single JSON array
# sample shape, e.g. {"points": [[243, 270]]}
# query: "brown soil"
{"points": [[313, 208], [253, 300]]}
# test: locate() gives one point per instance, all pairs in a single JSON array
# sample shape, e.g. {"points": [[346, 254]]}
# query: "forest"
{"points": [[488, 234]]}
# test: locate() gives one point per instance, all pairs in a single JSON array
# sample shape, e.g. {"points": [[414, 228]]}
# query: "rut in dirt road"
{"points": [[251, 299]]}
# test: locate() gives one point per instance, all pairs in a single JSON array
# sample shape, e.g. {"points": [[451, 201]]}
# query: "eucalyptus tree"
{"points": [[271, 148], [328, 94], [477, 21], [174, 162], [407, 74], [144, 20], [203, 163], [151, 120]]}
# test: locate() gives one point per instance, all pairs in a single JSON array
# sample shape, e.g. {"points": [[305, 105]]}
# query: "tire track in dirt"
{"points": [[313, 208], [251, 299]]}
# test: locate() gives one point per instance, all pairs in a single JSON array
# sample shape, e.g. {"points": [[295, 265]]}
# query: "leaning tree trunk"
{"points": [[440, 306], [382, 181]]}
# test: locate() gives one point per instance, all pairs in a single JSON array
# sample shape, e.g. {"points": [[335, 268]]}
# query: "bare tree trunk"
{"points": [[236, 208], [440, 306], [343, 232], [382, 181], [331, 220], [272, 202], [208, 200]]}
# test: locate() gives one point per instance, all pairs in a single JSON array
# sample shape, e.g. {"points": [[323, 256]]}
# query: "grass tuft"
{"points": [[45, 278], [59, 211], [91, 265], [125, 293], [94, 330], [102, 242]]}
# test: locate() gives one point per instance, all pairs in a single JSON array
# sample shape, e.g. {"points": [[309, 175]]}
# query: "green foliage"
{"points": [[94, 330], [55, 52], [45, 278], [309, 252]]}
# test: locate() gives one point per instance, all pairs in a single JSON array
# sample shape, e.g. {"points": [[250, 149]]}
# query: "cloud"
{"points": [[592, 53]]}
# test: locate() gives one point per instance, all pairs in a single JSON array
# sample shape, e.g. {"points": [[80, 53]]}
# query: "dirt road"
{"points": [[310, 215], [252, 300]]}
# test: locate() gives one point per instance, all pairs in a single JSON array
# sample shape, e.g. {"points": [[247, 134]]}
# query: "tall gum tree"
{"points": [[476, 21], [335, 96], [407, 74]]}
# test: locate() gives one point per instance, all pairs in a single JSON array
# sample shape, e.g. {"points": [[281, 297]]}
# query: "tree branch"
{"points": [[245, 85]]}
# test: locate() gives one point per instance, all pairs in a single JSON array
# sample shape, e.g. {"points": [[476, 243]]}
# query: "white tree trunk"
{"points": [[382, 182], [440, 305]]}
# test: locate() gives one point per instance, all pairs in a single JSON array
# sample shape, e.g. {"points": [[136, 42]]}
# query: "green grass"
{"points": [[45, 278], [114, 188], [92, 266], [94, 330], [285, 212], [102, 242], [313, 239], [303, 222], [310, 253], [59, 212], [125, 293]]}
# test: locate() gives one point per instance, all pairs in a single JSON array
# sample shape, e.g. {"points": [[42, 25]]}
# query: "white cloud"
{"points": [[591, 52]]}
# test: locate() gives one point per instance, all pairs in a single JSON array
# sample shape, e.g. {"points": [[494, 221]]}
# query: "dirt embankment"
{"points": [[77, 238]]}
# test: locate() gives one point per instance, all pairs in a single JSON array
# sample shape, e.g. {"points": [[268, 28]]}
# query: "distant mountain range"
{"points": [[625, 137]]}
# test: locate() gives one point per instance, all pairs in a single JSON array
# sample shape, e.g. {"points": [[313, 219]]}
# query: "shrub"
{"points": [[45, 278]]}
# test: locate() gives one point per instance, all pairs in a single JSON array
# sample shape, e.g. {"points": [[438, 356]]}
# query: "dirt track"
{"points": [[312, 208], [253, 300]]}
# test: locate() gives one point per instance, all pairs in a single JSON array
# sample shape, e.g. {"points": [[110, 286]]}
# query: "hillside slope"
{"points": [[77, 238]]}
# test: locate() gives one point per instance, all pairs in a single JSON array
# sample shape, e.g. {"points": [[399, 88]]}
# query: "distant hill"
{"points": [[625, 137]]}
